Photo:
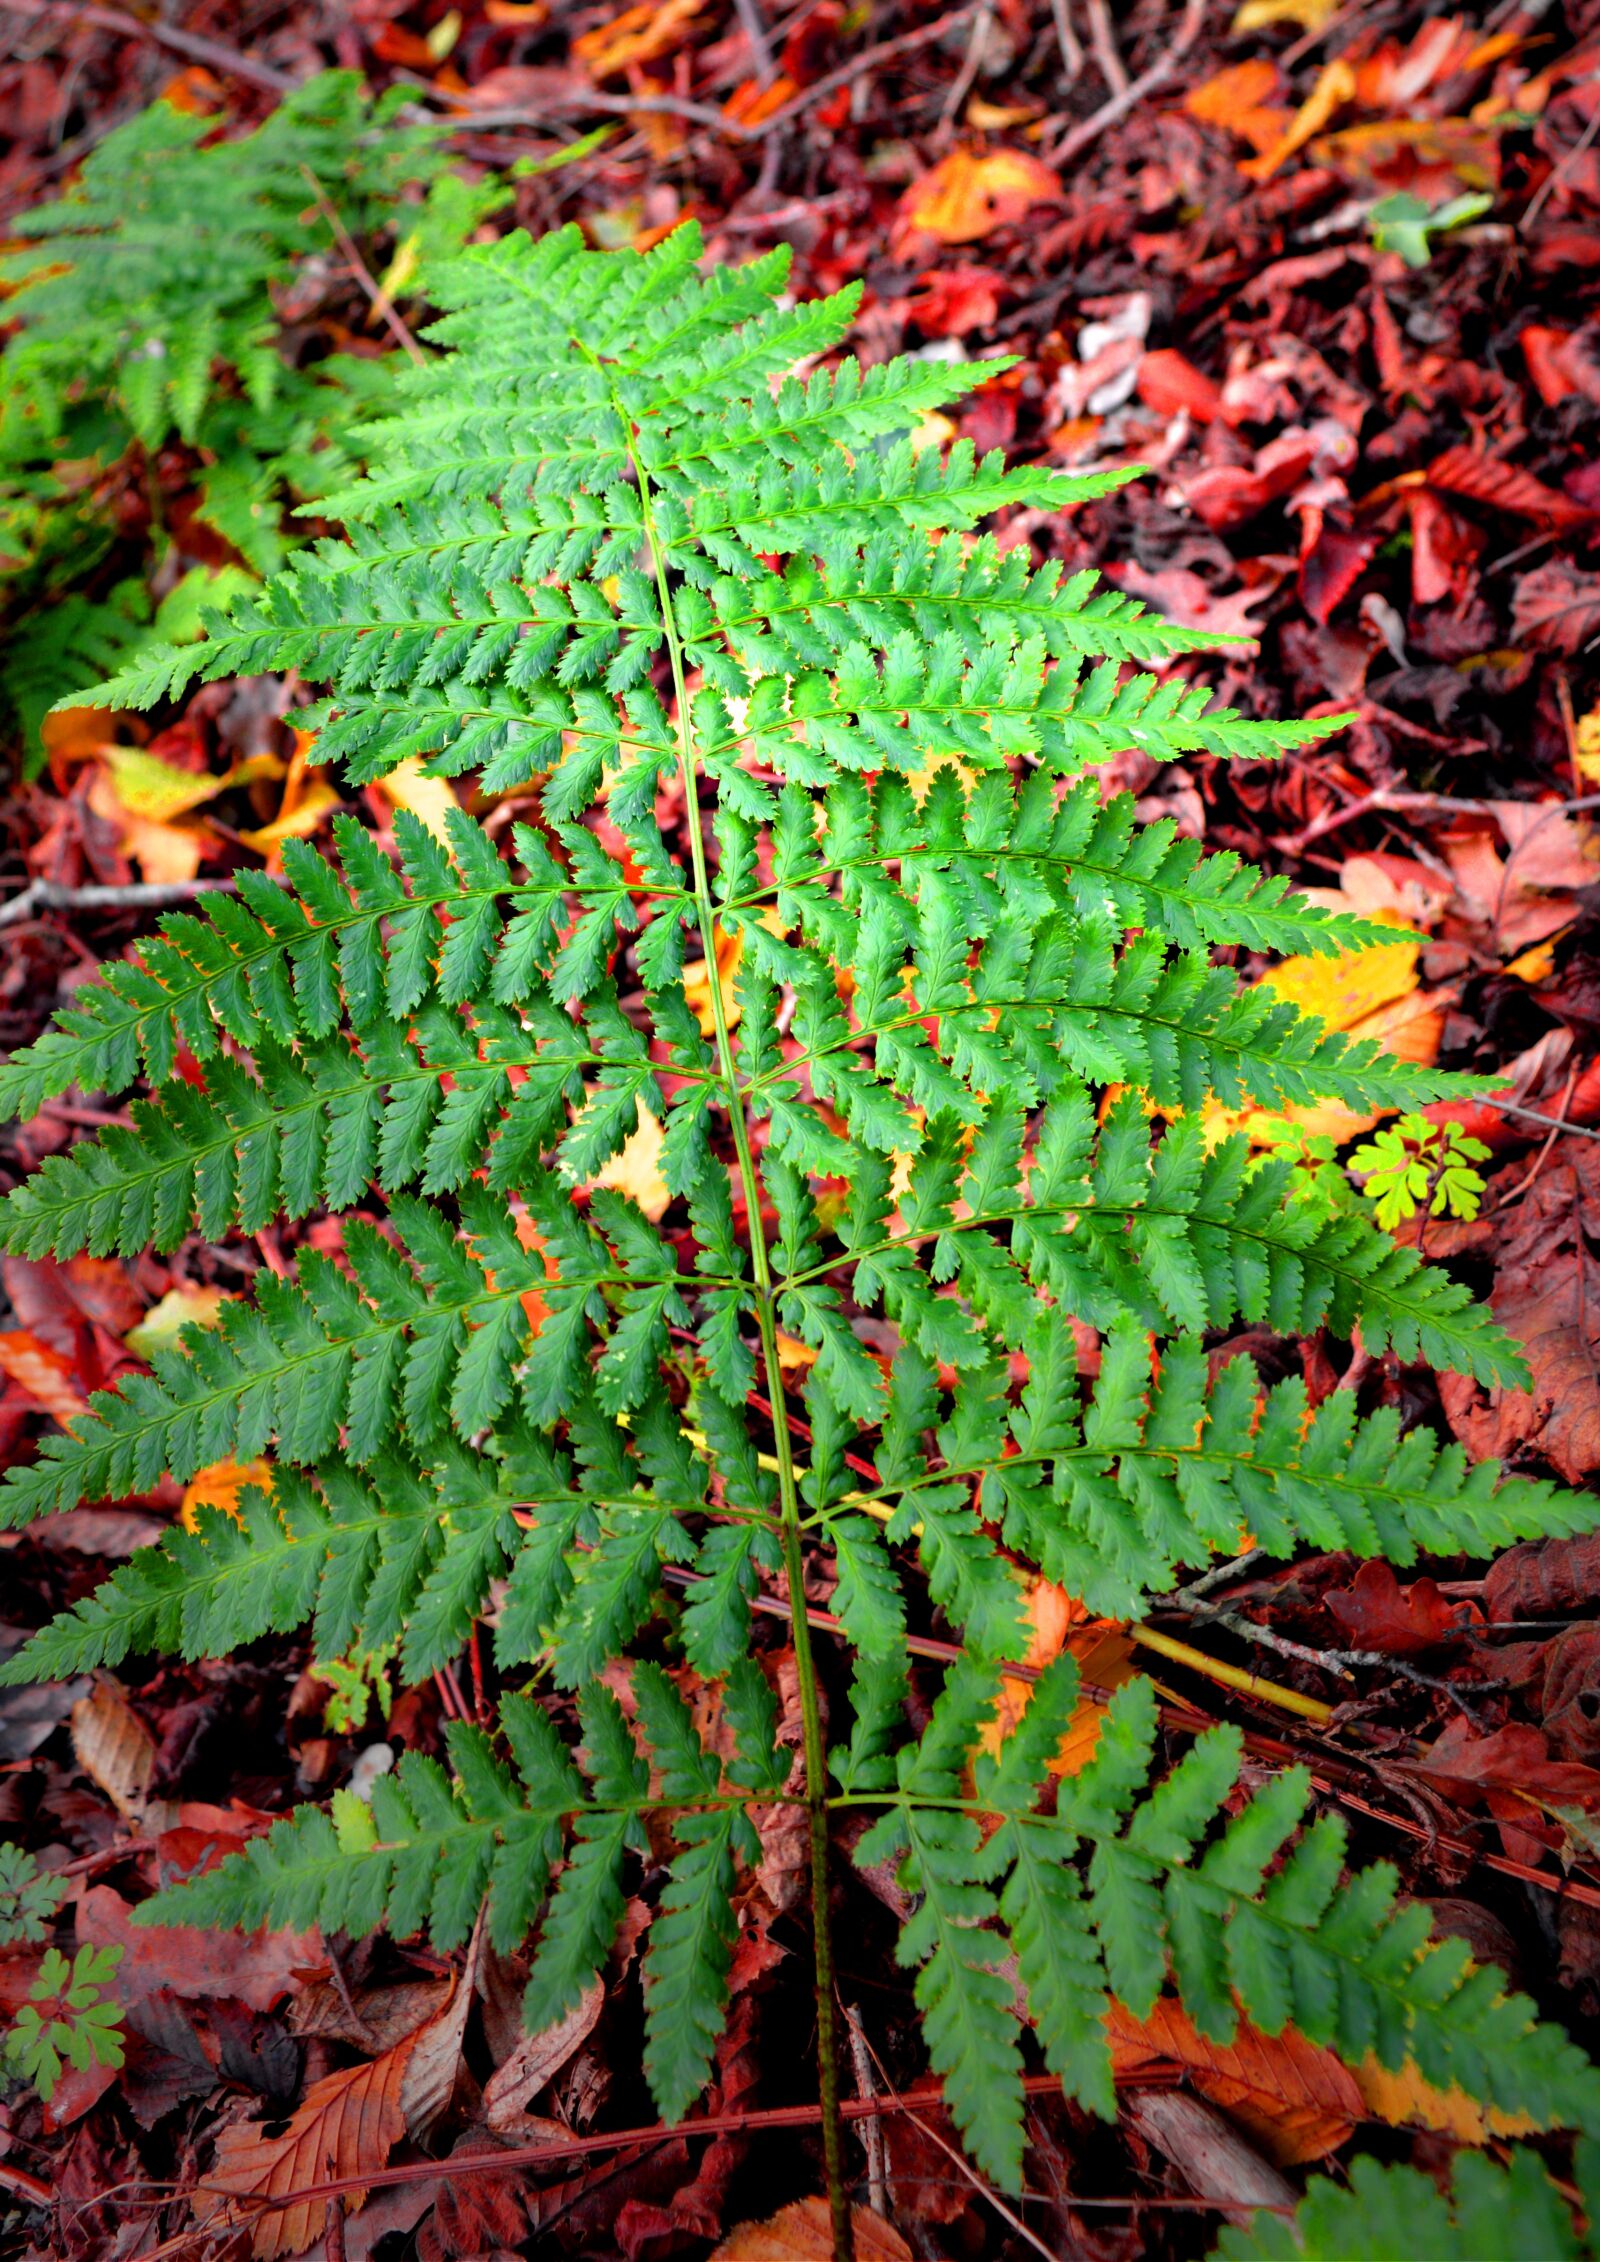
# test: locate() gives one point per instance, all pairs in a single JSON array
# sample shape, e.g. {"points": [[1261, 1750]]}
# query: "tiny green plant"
{"points": [[29, 1898], [1415, 1164], [68, 2020], [616, 560], [1404, 223]]}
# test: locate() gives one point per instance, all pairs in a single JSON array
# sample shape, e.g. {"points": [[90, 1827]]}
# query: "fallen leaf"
{"points": [[636, 1169], [803, 2232], [220, 1486], [968, 196], [1297, 2100], [1261, 15], [536, 2060], [47, 1376], [255, 1968], [1336, 83], [641, 34], [1404, 2099], [697, 981], [114, 1747], [162, 1327], [429, 800], [1376, 1612], [1103, 1652]]}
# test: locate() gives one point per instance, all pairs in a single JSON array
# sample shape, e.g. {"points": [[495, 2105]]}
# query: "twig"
{"points": [[755, 32], [208, 51], [1558, 172], [1103, 40], [23, 2186], [888, 50], [382, 304], [1335, 1661], [137, 895], [871, 2127], [1091, 128], [1219, 1574], [1069, 43], [971, 64]]}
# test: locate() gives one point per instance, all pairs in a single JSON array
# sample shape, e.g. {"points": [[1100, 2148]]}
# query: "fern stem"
{"points": [[813, 1741]]}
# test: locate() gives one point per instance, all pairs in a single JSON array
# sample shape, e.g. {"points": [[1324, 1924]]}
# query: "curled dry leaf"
{"points": [[537, 2059], [968, 196], [114, 1747], [1297, 2101], [802, 2233]]}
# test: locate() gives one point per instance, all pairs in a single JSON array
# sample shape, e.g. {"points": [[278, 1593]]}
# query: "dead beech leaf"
{"points": [[256, 1968], [536, 2060], [802, 2232], [636, 1169], [347, 2125], [47, 1376], [968, 196], [114, 1747], [1297, 2100]]}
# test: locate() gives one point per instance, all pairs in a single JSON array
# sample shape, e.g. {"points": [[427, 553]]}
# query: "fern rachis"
{"points": [[898, 1114]]}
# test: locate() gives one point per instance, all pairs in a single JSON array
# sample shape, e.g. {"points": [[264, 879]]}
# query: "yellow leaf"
{"points": [[793, 1355], [1404, 2099], [802, 2232], [1586, 746], [968, 196], [636, 1170], [1260, 15], [428, 799], [179, 1308], [1336, 83], [220, 1487], [1102, 1650], [295, 823], [697, 980], [148, 787]]}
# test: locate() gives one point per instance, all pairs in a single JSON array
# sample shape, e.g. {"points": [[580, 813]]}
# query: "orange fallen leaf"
{"points": [[1241, 99], [697, 980], [1059, 1621], [967, 196], [48, 1378], [802, 2232], [641, 34], [1336, 83], [1297, 2100], [636, 1169], [220, 1486]]}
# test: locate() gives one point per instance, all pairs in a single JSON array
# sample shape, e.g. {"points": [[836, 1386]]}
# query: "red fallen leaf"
{"points": [[1515, 1759], [258, 1970], [1332, 566], [1502, 486], [950, 301], [812, 46], [1227, 494], [1376, 1612], [1543, 1578], [1167, 383], [1556, 607], [1444, 549], [47, 1378]]}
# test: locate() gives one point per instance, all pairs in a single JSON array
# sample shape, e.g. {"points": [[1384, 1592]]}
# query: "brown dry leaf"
{"points": [[220, 1487], [47, 1376], [536, 2060], [802, 2232], [114, 1747], [967, 196], [163, 1324], [636, 1169], [347, 2125], [1297, 2101], [640, 34]]}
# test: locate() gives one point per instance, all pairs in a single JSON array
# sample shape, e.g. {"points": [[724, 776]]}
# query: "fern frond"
{"points": [[1491, 2209]]}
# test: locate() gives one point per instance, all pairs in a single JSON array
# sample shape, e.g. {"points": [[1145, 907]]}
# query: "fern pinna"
{"points": [[949, 1103]]}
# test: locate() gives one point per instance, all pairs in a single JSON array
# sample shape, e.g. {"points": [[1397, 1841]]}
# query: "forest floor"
{"points": [[1374, 449]]}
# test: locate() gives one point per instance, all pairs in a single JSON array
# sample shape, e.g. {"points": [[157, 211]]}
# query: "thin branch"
{"points": [[382, 304], [1083, 135], [208, 51], [755, 32], [137, 895]]}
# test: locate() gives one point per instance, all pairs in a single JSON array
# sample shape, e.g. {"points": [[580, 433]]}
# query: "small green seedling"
{"points": [[1414, 1164], [1403, 223], [66, 2021]]}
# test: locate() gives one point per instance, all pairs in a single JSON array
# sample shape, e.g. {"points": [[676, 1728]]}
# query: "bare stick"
{"points": [[1104, 42], [208, 51], [382, 304], [1080, 137], [755, 32], [138, 895], [1070, 44], [872, 2127]]}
